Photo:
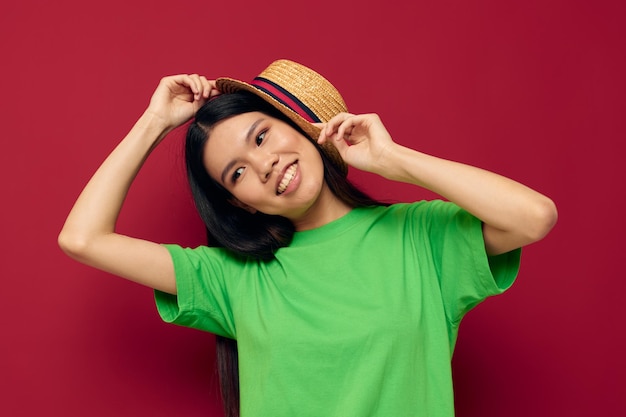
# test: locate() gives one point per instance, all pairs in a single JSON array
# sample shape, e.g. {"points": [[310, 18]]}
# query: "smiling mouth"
{"points": [[287, 178]]}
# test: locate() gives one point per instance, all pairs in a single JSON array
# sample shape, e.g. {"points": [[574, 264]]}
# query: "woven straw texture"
{"points": [[313, 90]]}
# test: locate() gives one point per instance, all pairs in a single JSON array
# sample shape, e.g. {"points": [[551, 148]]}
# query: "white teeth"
{"points": [[289, 174]]}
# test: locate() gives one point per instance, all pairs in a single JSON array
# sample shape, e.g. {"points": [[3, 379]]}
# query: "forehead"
{"points": [[234, 127], [226, 138]]}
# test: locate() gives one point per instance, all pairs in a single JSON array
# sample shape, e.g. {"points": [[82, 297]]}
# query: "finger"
{"points": [[332, 124], [199, 86], [196, 86], [345, 129], [183, 81], [213, 91], [322, 137], [175, 81], [206, 87], [341, 146]]}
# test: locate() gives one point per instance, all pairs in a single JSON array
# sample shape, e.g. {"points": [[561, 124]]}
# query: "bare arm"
{"points": [[513, 215], [88, 234]]}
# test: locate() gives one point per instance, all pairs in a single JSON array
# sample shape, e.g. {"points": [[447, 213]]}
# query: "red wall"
{"points": [[533, 90]]}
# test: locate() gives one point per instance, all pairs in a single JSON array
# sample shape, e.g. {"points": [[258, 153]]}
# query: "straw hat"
{"points": [[300, 93]]}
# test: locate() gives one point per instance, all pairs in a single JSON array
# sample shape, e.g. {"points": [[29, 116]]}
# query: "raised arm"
{"points": [[513, 215], [88, 234]]}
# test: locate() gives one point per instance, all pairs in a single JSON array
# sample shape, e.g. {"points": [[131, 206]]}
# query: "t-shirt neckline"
{"points": [[331, 229]]}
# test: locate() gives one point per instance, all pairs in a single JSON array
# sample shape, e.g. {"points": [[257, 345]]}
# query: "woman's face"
{"points": [[266, 165]]}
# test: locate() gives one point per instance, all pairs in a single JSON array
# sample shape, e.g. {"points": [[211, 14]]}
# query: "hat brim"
{"points": [[229, 85]]}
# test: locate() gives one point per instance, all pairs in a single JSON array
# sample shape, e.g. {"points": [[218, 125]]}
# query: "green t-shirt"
{"points": [[356, 318]]}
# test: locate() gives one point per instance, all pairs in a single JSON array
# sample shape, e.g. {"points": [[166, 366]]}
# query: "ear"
{"points": [[241, 205]]}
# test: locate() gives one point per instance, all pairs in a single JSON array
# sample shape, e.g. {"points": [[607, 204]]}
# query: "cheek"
{"points": [[248, 194], [318, 166]]}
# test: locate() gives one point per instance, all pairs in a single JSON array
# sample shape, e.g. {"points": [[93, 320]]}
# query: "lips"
{"points": [[286, 179]]}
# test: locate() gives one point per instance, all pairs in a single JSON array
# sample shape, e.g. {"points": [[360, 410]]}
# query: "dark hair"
{"points": [[252, 235]]}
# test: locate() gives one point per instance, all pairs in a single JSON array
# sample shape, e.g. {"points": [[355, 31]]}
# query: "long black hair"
{"points": [[255, 235]]}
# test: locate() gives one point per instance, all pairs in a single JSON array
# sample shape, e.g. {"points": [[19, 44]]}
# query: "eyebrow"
{"points": [[249, 135]]}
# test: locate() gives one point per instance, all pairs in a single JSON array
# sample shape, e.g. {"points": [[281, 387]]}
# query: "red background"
{"points": [[533, 90]]}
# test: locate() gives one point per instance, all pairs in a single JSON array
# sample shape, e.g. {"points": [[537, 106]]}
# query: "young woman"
{"points": [[340, 306]]}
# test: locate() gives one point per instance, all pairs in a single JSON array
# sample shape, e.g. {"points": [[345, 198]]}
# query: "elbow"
{"points": [[74, 246], [545, 216]]}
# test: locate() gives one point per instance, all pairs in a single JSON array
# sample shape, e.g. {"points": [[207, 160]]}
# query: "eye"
{"points": [[237, 174], [260, 138]]}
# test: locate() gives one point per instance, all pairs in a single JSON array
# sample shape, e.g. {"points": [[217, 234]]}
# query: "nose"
{"points": [[264, 163]]}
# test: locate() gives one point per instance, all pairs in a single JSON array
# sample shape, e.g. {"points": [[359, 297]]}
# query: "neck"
{"points": [[327, 208]]}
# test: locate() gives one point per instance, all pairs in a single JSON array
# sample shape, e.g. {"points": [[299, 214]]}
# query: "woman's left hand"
{"points": [[362, 140]]}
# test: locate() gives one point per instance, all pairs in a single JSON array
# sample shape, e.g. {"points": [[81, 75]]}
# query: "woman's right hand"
{"points": [[178, 97], [89, 234]]}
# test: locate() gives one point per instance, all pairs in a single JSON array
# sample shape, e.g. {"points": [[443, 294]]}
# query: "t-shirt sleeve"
{"points": [[202, 299], [467, 276]]}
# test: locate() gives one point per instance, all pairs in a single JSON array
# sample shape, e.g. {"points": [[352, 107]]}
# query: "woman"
{"points": [[339, 306]]}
